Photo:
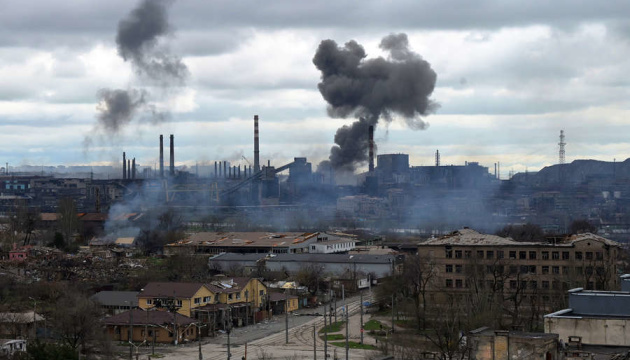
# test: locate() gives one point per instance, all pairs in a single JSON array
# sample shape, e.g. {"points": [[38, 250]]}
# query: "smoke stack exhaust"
{"points": [[371, 140], [172, 170], [256, 146], [161, 156], [124, 166], [133, 168]]}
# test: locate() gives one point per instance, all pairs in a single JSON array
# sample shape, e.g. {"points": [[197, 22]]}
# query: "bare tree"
{"points": [[418, 273]]}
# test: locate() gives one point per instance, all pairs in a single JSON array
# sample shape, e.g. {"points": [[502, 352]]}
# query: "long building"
{"points": [[534, 273]]}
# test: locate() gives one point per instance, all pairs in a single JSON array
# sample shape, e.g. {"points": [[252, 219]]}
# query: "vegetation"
{"points": [[374, 325], [354, 345], [334, 327], [333, 337]]}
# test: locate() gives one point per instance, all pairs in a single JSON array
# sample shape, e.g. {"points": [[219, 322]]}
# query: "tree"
{"points": [[418, 273], [68, 220], [38, 350], [522, 233], [581, 226], [76, 323]]}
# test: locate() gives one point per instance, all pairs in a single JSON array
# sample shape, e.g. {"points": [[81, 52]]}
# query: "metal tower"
{"points": [[562, 144], [437, 158]]}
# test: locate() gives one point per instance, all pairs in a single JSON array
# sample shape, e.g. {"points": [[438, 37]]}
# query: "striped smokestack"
{"points": [[161, 156], [256, 144], [371, 140], [124, 166], [172, 169]]}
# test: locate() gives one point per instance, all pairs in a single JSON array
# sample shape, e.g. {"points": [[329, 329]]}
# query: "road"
{"points": [[266, 340]]}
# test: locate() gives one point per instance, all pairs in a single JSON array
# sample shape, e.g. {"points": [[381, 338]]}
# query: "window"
{"points": [[449, 283], [545, 284], [555, 255], [565, 255], [532, 255], [459, 283], [545, 255], [555, 270], [230, 297], [599, 255], [512, 255], [524, 269], [522, 255], [579, 270], [500, 254], [513, 269], [449, 268], [533, 284], [449, 253], [467, 254], [479, 254], [500, 269], [490, 269], [555, 285], [216, 298], [489, 254], [197, 301], [532, 269], [458, 254], [545, 270], [578, 255], [565, 270], [261, 292], [458, 269], [238, 296], [599, 270], [512, 284], [206, 299], [589, 270], [589, 255], [178, 303], [149, 302]]}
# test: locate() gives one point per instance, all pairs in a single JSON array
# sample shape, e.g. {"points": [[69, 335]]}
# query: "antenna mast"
{"points": [[562, 144]]}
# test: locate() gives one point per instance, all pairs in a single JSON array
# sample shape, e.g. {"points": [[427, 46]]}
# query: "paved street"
{"points": [[267, 339]]}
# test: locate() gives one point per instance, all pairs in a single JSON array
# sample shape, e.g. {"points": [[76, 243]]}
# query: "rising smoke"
{"points": [[372, 89], [138, 41]]}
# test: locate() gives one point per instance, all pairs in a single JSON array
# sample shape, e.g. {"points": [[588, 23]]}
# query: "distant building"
{"points": [[487, 344], [336, 265], [115, 302]]}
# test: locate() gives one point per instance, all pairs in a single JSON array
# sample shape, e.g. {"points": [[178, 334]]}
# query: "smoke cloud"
{"points": [[371, 89], [138, 40]]}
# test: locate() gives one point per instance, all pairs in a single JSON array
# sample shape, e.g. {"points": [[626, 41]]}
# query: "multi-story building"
{"points": [[534, 273]]}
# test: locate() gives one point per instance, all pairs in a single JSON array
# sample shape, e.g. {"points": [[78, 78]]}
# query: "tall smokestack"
{"points": [[215, 169], [256, 146], [172, 170], [161, 155], [128, 169], [224, 168], [371, 140], [133, 168], [124, 166]]}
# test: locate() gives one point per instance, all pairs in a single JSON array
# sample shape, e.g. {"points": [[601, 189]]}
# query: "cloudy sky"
{"points": [[510, 76]]}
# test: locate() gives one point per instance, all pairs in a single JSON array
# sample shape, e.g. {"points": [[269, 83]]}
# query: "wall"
{"points": [[120, 333], [612, 332]]}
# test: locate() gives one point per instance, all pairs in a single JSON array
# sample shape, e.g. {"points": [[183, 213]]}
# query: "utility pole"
{"points": [[361, 292], [325, 336], [130, 331], [345, 310], [228, 329], [335, 306], [199, 340], [286, 316], [314, 344], [392, 313]]}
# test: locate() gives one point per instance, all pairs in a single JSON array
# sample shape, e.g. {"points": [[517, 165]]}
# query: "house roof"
{"points": [[125, 241], [116, 298], [230, 285], [333, 258], [152, 317], [276, 296], [20, 318], [471, 237], [246, 239], [246, 257], [49, 216], [167, 289]]}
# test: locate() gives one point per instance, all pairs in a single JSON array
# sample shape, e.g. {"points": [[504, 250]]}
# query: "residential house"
{"points": [[487, 344], [9, 347], [19, 325], [183, 296], [151, 326], [115, 302]]}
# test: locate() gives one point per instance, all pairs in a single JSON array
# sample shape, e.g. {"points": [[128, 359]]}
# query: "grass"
{"points": [[334, 327], [354, 345], [405, 323], [374, 325], [333, 337]]}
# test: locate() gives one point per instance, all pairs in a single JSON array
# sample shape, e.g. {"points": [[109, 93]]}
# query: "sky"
{"points": [[510, 76]]}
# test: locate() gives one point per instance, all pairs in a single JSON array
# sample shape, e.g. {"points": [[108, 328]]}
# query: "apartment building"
{"points": [[466, 259]]}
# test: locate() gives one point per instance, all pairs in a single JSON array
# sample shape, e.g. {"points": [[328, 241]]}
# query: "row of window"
{"points": [[514, 284], [524, 269], [524, 255], [207, 299]]}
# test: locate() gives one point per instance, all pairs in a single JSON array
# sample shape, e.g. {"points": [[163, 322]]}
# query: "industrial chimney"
{"points": [[256, 144], [133, 168], [172, 169], [124, 166], [371, 144], [161, 156]]}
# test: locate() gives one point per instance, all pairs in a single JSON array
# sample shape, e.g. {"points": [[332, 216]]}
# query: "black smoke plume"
{"points": [[138, 41], [371, 89]]}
